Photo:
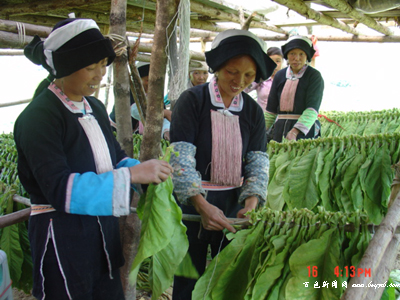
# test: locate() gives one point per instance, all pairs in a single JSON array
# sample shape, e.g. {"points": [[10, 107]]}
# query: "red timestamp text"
{"points": [[352, 271], [346, 271]]}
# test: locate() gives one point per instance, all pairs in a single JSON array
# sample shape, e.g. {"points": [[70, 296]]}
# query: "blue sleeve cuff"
{"points": [[106, 194]]}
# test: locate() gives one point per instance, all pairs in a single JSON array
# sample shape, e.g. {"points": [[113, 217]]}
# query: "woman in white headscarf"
{"points": [[74, 170]]}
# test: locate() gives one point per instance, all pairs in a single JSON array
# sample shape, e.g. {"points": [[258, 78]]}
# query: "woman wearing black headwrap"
{"points": [[219, 131], [296, 94], [74, 170]]}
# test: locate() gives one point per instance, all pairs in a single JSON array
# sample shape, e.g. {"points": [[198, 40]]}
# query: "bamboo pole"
{"points": [[15, 217], [372, 257], [346, 8], [384, 269], [11, 52], [108, 85], [221, 15], [301, 8], [138, 92], [29, 29], [7, 104]]}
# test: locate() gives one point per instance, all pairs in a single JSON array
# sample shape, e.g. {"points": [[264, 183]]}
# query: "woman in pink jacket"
{"points": [[264, 87]]}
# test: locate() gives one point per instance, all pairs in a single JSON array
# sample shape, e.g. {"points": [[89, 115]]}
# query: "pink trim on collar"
{"points": [[218, 98], [68, 103]]}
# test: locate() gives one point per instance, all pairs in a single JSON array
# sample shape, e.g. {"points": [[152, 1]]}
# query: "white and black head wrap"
{"points": [[299, 42], [72, 45], [233, 42]]}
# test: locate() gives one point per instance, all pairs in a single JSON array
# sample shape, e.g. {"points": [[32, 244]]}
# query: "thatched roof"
{"points": [[208, 17]]}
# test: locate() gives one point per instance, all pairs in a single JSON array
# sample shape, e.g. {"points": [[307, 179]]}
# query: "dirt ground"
{"points": [[20, 295]]}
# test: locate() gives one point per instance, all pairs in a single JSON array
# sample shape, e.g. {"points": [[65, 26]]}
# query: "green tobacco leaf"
{"points": [[302, 183], [324, 179], [370, 206], [157, 222], [323, 254], [26, 281], [227, 275], [164, 263], [275, 266], [9, 243], [186, 268], [162, 230], [341, 168], [379, 177]]}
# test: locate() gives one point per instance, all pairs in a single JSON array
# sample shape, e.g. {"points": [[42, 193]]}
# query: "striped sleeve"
{"points": [[106, 194], [306, 120]]}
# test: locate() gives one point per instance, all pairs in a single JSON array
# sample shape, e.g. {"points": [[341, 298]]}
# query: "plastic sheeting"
{"points": [[374, 6]]}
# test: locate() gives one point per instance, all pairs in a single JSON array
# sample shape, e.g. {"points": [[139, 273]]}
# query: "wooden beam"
{"points": [[301, 8], [346, 8], [227, 7], [231, 17], [29, 29], [381, 15], [43, 6], [362, 39]]}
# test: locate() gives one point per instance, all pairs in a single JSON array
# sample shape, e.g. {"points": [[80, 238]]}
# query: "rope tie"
{"points": [[121, 43], [21, 33]]}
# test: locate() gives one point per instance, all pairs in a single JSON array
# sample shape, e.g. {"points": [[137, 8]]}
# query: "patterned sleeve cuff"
{"points": [[187, 181], [255, 177]]}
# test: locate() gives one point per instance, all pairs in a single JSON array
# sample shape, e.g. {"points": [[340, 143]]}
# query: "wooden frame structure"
{"points": [[20, 19]]}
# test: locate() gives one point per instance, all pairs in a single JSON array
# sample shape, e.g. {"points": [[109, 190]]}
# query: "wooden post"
{"points": [[128, 224], [150, 147], [173, 65], [375, 252], [121, 79], [383, 271]]}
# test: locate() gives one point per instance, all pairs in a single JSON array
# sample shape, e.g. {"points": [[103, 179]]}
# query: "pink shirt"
{"points": [[262, 89]]}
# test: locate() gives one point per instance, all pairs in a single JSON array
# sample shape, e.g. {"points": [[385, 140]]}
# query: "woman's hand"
{"points": [[250, 204], [151, 171], [292, 134], [212, 217]]}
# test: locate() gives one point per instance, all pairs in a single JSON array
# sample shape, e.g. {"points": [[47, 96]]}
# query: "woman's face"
{"points": [[145, 83], [278, 60], [297, 58], [198, 77], [85, 81], [235, 75]]}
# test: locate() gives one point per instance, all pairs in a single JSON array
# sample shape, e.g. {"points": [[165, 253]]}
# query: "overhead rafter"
{"points": [[215, 13], [346, 8], [301, 8]]}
